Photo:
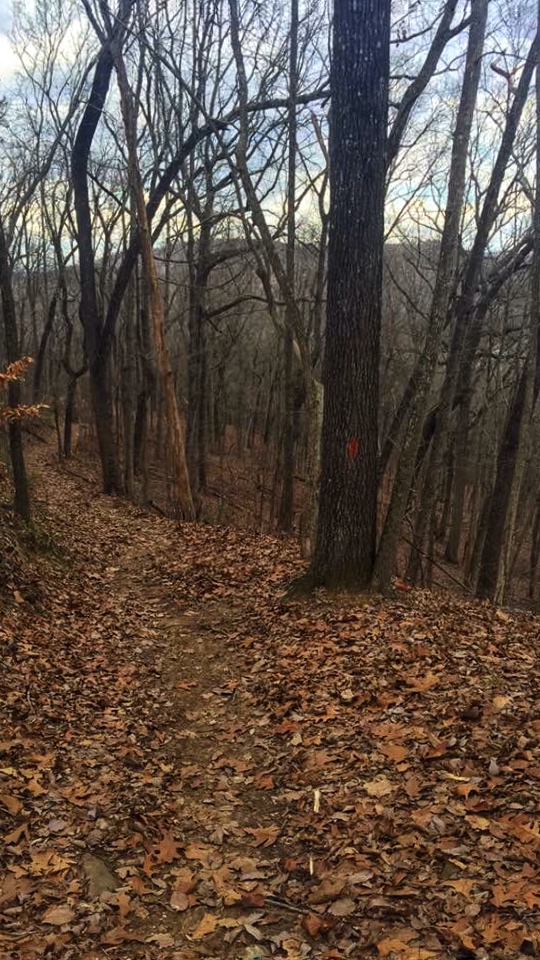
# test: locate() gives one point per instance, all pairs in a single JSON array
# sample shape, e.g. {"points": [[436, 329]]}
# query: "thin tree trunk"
{"points": [[40, 359], [128, 392], [97, 352], [535, 554], [495, 561], [452, 551], [20, 479], [182, 500], [491, 583], [446, 271], [286, 507]]}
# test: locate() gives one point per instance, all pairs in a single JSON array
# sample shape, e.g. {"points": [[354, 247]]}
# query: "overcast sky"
{"points": [[7, 58], [5, 15]]}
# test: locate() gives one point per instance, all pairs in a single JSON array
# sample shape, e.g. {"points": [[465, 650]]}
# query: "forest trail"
{"points": [[191, 769]]}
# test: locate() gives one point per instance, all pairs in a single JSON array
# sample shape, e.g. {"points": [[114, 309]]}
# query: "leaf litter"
{"points": [[192, 768]]}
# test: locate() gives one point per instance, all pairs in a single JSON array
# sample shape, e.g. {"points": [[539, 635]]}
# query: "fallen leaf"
{"points": [[207, 925], [163, 940], [119, 934], [167, 849], [380, 787], [342, 908], [11, 804], [314, 924], [264, 836], [58, 916], [394, 751], [179, 900]]}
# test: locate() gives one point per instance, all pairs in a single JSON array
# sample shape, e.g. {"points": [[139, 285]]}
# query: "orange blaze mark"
{"points": [[353, 448]]}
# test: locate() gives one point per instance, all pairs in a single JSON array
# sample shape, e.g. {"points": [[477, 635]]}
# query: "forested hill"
{"points": [[193, 767], [269, 479]]}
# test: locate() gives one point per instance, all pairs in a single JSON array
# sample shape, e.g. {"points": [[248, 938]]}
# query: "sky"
{"points": [[5, 15], [7, 57]]}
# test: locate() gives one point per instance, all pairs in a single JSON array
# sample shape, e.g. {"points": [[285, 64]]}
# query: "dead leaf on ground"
{"points": [[58, 916]]}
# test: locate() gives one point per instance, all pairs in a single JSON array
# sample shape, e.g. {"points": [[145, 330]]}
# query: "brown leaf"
{"points": [[11, 804], [58, 916], [412, 787], [380, 787], [314, 924], [124, 904], [184, 879], [500, 702], [397, 943], [119, 934], [425, 683], [179, 900], [264, 836], [137, 884], [15, 835], [201, 852], [167, 849], [342, 908], [327, 890], [395, 751], [207, 925], [264, 782], [462, 886], [163, 941]]}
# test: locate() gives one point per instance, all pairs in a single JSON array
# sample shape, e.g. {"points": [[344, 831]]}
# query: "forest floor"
{"points": [[192, 768]]}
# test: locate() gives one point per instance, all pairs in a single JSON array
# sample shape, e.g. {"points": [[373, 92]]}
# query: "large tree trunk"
{"points": [[347, 527]]}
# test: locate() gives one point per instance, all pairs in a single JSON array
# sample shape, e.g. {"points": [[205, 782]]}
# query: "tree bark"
{"points": [[446, 271], [91, 319], [494, 564], [182, 500], [347, 527], [21, 502], [286, 506]]}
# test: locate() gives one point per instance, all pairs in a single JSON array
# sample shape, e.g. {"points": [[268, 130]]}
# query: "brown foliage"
{"points": [[303, 780]]}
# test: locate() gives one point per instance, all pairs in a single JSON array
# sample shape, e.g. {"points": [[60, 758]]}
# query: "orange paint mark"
{"points": [[353, 448]]}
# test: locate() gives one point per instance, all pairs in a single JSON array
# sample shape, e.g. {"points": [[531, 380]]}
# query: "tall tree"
{"points": [[289, 438], [20, 479], [359, 80], [89, 310], [495, 568], [446, 270]]}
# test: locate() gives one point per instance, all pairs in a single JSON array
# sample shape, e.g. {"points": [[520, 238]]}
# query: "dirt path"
{"points": [[149, 801], [190, 769]]}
